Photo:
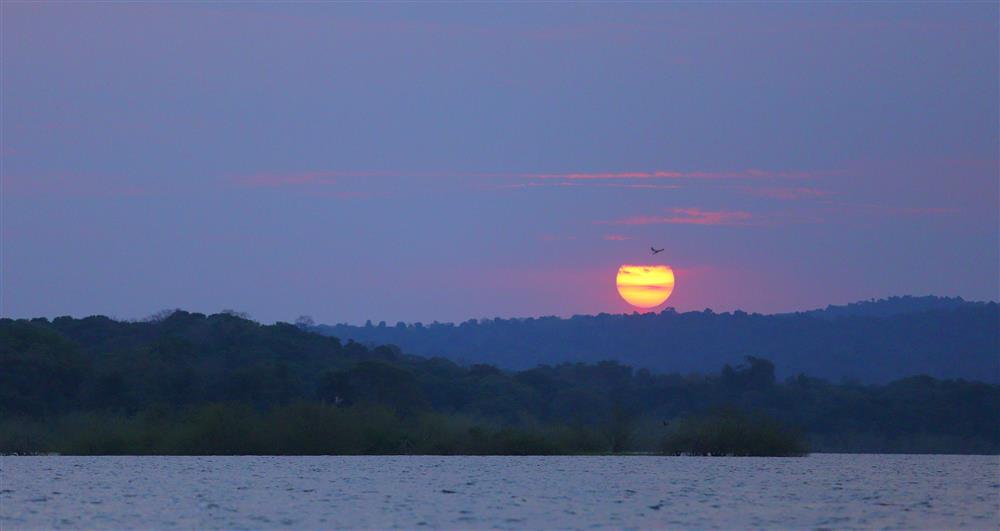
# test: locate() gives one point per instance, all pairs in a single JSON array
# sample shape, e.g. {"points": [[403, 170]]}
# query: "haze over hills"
{"points": [[870, 341], [894, 306]]}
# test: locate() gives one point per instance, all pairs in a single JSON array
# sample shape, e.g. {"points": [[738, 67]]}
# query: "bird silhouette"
{"points": [[655, 251]]}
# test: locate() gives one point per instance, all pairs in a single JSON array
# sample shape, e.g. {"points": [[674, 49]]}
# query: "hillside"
{"points": [[867, 342]]}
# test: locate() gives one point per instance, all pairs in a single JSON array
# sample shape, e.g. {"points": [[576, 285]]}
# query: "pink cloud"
{"points": [[688, 216], [616, 237]]}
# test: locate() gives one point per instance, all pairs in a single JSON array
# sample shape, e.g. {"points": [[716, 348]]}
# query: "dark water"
{"points": [[821, 491]]}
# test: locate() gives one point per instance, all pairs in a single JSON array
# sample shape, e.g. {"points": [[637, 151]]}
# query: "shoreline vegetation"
{"points": [[191, 384], [323, 429]]}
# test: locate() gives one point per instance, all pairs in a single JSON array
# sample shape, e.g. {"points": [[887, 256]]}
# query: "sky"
{"points": [[424, 162]]}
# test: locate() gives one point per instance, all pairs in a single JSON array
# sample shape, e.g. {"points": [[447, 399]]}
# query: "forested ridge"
{"points": [[872, 341], [193, 383]]}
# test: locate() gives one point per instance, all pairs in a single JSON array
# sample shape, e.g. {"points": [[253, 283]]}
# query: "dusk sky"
{"points": [[444, 162]]}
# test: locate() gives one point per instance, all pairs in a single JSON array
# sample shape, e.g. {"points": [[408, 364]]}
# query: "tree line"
{"points": [[192, 383]]}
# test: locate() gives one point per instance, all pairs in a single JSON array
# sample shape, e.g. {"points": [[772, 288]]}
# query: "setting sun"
{"points": [[645, 286]]}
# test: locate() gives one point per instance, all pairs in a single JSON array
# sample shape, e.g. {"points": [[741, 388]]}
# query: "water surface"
{"points": [[832, 491]]}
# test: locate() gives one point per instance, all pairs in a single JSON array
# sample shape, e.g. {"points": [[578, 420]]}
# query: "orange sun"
{"points": [[645, 286]]}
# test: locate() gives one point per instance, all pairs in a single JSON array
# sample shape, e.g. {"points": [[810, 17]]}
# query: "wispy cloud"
{"points": [[353, 183], [617, 238], [828, 212], [604, 175], [75, 185], [688, 216], [578, 184], [787, 193], [885, 210], [923, 211], [554, 237], [513, 180], [644, 186], [273, 180], [751, 173], [516, 186]]}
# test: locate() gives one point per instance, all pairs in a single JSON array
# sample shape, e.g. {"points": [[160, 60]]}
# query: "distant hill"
{"points": [[893, 306], [872, 342]]}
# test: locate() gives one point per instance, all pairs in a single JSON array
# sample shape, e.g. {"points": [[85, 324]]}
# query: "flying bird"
{"points": [[655, 251]]}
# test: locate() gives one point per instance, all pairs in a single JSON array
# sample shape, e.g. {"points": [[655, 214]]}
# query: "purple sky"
{"points": [[421, 162]]}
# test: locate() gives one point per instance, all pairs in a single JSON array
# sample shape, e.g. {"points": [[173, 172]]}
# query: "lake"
{"points": [[824, 490]]}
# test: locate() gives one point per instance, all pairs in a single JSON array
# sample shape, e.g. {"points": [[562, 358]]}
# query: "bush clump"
{"points": [[732, 432]]}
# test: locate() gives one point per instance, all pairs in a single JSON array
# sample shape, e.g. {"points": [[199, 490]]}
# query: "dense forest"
{"points": [[870, 342], [193, 383]]}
